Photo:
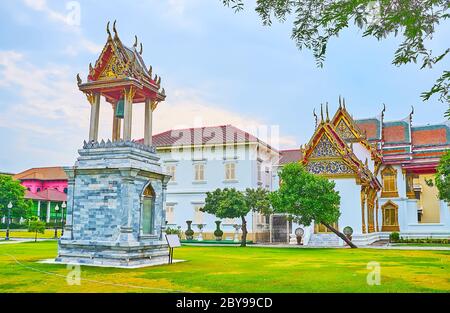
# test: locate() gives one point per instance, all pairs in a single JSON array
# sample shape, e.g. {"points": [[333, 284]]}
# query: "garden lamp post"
{"points": [[8, 220], [56, 221], [63, 206]]}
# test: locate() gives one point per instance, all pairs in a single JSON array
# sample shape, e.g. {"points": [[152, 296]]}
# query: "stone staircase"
{"points": [[323, 240]]}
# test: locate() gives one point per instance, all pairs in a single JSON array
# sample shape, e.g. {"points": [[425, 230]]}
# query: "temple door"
{"points": [[390, 217]]}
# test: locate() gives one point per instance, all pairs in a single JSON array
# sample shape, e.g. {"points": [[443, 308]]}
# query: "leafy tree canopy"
{"points": [[443, 177], [12, 191], [316, 21], [306, 197], [226, 203]]}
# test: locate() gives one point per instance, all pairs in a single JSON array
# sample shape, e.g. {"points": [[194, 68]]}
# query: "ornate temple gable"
{"points": [[328, 154], [121, 67], [324, 148], [349, 130]]}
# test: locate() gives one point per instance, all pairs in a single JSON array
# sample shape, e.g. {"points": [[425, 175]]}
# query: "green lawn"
{"points": [[49, 234], [234, 269]]}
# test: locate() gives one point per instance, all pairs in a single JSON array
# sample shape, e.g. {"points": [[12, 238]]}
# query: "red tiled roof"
{"points": [[430, 136], [289, 156], [369, 129], [394, 133], [52, 195], [33, 196], [203, 135], [43, 173]]}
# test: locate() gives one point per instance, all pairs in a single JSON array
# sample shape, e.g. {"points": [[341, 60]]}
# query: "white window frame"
{"points": [[230, 175]]}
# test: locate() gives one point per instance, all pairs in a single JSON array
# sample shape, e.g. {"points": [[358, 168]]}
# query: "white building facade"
{"points": [[204, 159]]}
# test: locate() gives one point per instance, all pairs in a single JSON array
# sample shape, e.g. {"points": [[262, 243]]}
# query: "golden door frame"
{"points": [[394, 225]]}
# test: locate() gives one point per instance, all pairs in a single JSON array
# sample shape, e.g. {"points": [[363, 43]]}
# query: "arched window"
{"points": [[148, 205], [390, 217], [389, 177]]}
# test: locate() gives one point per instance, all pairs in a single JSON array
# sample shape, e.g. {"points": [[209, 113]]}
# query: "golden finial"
{"points": [[412, 111], [382, 111], [343, 102], [158, 82], [366, 163], [79, 79], [135, 41], [328, 117], [90, 68], [150, 69], [163, 92], [321, 113], [141, 48], [107, 29], [114, 29], [340, 102], [156, 78]]}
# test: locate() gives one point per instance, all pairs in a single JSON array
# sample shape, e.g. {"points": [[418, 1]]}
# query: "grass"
{"points": [[234, 269], [49, 234], [421, 245]]}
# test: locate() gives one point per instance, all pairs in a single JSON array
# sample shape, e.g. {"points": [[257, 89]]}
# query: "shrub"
{"points": [[394, 237], [173, 231]]}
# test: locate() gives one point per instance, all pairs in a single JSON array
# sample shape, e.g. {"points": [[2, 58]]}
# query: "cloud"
{"points": [[71, 20], [50, 116]]}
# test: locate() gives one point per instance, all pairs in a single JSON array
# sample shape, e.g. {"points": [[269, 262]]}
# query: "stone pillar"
{"points": [[128, 113], [48, 212], [363, 208], [116, 124], [163, 207], [150, 105], [68, 226], [94, 100], [128, 209]]}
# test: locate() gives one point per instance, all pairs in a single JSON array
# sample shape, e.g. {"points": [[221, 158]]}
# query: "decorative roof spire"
{"points": [[141, 49], [321, 113], [411, 114], [115, 30], [328, 116], [315, 116], [340, 102], [150, 69], [135, 42], [79, 79], [343, 102], [107, 29]]}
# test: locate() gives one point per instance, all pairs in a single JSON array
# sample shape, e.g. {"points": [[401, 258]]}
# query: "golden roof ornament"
{"points": [[115, 30], [340, 102], [107, 29], [141, 49], [321, 113], [79, 79], [150, 69], [328, 116], [135, 42], [163, 92], [315, 116]]}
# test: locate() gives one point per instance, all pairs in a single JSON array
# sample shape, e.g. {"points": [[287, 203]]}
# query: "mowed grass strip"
{"points": [[234, 269]]}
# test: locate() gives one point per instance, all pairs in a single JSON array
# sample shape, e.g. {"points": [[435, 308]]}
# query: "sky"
{"points": [[217, 67]]}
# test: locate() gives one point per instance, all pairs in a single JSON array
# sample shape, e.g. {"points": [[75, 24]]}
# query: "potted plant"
{"points": [[218, 232], [189, 232]]}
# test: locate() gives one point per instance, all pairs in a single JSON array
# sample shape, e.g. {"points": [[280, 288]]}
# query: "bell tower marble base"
{"points": [[106, 224]]}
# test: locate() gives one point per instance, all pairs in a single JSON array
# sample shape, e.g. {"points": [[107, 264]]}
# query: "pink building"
{"points": [[47, 187]]}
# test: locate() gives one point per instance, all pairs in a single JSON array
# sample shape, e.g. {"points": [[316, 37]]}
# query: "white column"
{"points": [[148, 122], [48, 212], [128, 114], [39, 209], [94, 99]]}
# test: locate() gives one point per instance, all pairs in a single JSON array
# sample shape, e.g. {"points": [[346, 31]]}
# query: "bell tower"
{"points": [[116, 190]]}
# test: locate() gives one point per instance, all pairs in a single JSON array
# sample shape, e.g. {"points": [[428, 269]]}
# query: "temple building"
{"points": [[384, 172], [47, 188]]}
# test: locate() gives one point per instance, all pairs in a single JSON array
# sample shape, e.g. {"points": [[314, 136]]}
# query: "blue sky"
{"points": [[217, 67]]}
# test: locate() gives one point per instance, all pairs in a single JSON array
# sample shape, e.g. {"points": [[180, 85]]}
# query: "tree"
{"points": [[316, 21], [228, 203], [36, 226], [443, 177], [12, 191], [306, 197], [258, 200]]}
